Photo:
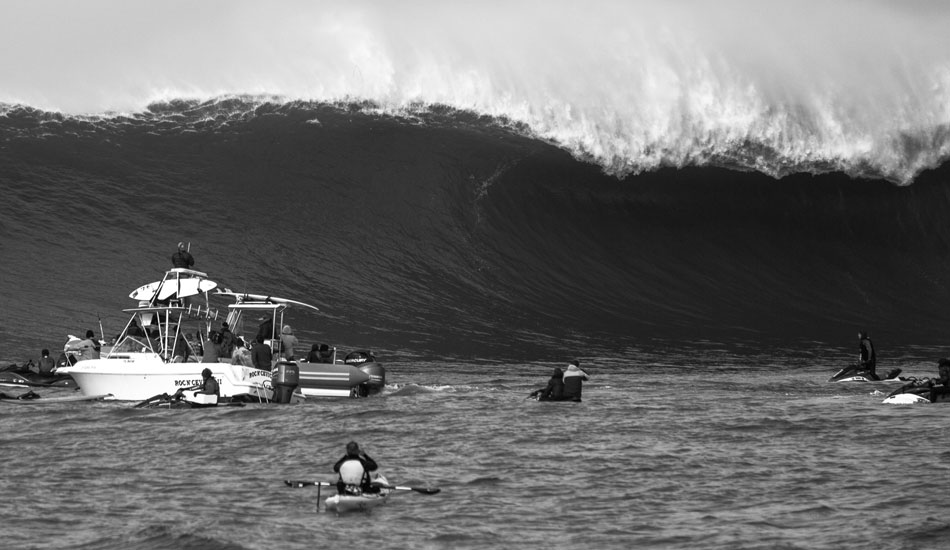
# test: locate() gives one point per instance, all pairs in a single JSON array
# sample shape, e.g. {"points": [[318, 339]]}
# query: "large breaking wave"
{"points": [[446, 232]]}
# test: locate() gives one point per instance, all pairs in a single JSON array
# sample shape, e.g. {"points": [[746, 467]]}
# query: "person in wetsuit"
{"points": [[574, 381], [867, 358], [354, 469], [46, 364], [941, 385], [209, 386], [555, 388]]}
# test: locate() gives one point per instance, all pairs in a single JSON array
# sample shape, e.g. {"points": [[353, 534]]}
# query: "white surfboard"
{"points": [[182, 288], [263, 298]]}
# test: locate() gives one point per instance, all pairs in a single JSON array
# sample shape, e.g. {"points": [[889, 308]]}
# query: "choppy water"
{"points": [[754, 451]]}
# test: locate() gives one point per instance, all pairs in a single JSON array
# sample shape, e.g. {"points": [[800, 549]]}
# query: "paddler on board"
{"points": [[355, 472]]}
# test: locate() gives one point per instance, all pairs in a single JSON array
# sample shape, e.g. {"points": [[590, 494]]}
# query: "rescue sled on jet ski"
{"points": [[854, 373], [916, 392], [186, 400]]}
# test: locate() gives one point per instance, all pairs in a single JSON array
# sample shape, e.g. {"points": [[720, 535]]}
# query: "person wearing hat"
{"points": [[287, 342], [573, 381], [354, 469], [182, 258], [209, 386]]}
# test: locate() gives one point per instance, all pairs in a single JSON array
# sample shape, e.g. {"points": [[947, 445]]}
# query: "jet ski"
{"points": [[854, 373], [915, 392]]}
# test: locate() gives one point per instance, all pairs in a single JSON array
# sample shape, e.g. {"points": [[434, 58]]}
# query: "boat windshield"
{"points": [[133, 344]]}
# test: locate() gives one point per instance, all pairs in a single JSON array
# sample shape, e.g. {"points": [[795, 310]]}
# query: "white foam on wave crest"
{"points": [[861, 87]]}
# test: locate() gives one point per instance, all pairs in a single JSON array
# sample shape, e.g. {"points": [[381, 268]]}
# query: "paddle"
{"points": [[299, 484], [423, 490]]}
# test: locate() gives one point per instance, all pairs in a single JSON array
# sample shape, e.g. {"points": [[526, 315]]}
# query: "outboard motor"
{"points": [[377, 377], [366, 362], [285, 379]]}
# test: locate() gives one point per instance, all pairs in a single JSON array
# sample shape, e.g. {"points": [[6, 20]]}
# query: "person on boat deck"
{"points": [[212, 348], [866, 357], [555, 389], [287, 342], [182, 258], [46, 364], [354, 469], [135, 329], [941, 385], [181, 351], [266, 328], [573, 381], [320, 353], [314, 355], [261, 354], [88, 348], [227, 340]]}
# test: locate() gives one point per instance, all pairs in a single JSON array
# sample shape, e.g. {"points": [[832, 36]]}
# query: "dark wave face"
{"points": [[447, 233]]}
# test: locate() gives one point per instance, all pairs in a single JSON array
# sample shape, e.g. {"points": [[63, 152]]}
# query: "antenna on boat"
{"points": [[102, 335]]}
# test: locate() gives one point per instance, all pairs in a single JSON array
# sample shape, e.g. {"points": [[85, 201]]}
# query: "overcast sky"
{"points": [[101, 55]]}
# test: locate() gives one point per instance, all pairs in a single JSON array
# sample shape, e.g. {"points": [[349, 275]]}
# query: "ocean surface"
{"points": [[702, 203], [670, 448]]}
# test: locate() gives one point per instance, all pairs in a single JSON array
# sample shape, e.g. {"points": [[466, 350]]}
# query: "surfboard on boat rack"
{"points": [[262, 298], [182, 288]]}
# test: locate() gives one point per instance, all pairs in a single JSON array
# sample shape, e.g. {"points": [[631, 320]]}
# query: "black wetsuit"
{"points": [[869, 358], [182, 258], [555, 388]]}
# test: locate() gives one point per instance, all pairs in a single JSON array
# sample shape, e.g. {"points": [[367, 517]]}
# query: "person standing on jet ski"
{"points": [[867, 359]]}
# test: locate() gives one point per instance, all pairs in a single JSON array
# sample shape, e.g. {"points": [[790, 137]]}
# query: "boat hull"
{"points": [[136, 377], [329, 380]]}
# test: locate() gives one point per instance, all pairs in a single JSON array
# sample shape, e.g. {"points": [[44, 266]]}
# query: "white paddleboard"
{"points": [[182, 288]]}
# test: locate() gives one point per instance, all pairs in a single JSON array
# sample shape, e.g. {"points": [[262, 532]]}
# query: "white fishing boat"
{"points": [[159, 350]]}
